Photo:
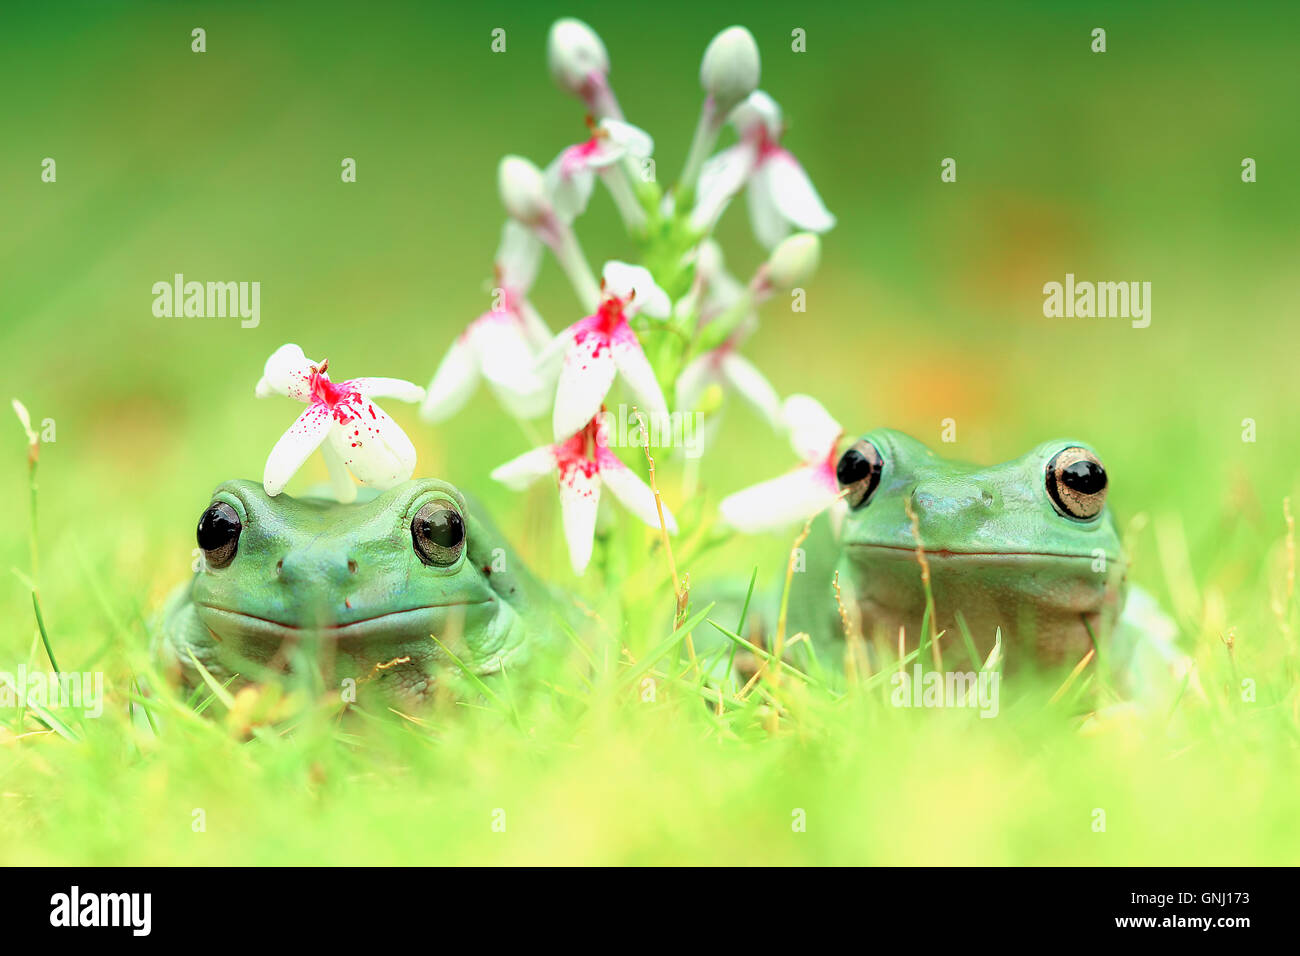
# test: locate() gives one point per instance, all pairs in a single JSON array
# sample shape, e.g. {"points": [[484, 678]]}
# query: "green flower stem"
{"points": [[629, 207], [564, 243], [706, 135]]}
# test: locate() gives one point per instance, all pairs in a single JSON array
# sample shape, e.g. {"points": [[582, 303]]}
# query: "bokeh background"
{"points": [[928, 304]]}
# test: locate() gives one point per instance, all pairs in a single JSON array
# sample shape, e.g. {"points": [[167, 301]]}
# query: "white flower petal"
{"points": [[722, 176], [295, 447], [698, 375], [756, 112], [518, 257], [523, 405], [622, 280], [345, 489], [373, 446], [770, 226], [570, 187], [813, 432], [518, 473], [630, 139], [585, 378], [398, 388], [287, 372], [503, 354], [780, 502], [637, 373], [579, 503], [25, 419], [453, 383], [750, 384], [633, 493], [794, 195]]}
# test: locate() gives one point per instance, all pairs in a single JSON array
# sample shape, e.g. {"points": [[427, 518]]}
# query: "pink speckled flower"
{"points": [[602, 345], [779, 192], [352, 432], [799, 494], [583, 463]]}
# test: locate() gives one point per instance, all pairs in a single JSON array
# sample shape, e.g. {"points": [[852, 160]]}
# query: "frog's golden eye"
{"points": [[218, 534], [859, 471], [438, 533], [1076, 483]]}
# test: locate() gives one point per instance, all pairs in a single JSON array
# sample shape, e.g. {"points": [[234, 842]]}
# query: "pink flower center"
{"points": [[766, 144], [576, 157], [577, 455], [337, 399]]}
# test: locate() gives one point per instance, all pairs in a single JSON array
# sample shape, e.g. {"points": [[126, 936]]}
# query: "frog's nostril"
{"points": [[279, 566], [352, 566]]}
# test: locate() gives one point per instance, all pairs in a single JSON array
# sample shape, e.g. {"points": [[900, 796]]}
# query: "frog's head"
{"points": [[1028, 545], [361, 585]]}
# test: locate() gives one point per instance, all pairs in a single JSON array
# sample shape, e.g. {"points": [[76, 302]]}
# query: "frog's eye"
{"points": [[859, 471], [438, 533], [218, 534], [1076, 483]]}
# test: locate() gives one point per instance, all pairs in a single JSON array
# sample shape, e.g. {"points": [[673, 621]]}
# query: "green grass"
{"points": [[616, 754], [927, 306]]}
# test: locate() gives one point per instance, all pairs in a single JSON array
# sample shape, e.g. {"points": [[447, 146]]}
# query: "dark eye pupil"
{"points": [[443, 528], [853, 467], [1086, 477], [218, 526]]}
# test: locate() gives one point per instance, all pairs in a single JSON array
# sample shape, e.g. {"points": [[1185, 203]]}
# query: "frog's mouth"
{"points": [[414, 624], [945, 554]]}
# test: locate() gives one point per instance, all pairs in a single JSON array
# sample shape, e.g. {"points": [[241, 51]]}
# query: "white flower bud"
{"points": [[794, 260], [523, 190], [574, 52], [25, 420], [730, 68]]}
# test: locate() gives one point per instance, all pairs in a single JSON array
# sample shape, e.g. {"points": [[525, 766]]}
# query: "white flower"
{"points": [[572, 175], [780, 194], [799, 494], [602, 345], [352, 432], [583, 463], [502, 344]]}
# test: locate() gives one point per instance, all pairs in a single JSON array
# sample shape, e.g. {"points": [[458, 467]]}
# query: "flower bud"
{"points": [[523, 190], [794, 260], [574, 52], [26, 421], [730, 68]]}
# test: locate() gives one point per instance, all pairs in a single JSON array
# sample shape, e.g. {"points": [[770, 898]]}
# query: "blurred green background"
{"points": [[225, 165], [928, 304]]}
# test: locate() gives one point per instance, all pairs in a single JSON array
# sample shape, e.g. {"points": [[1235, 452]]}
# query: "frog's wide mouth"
{"points": [[943, 554], [415, 623]]}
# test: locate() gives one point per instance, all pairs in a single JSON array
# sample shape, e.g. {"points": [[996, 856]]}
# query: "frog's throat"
{"points": [[413, 622]]}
